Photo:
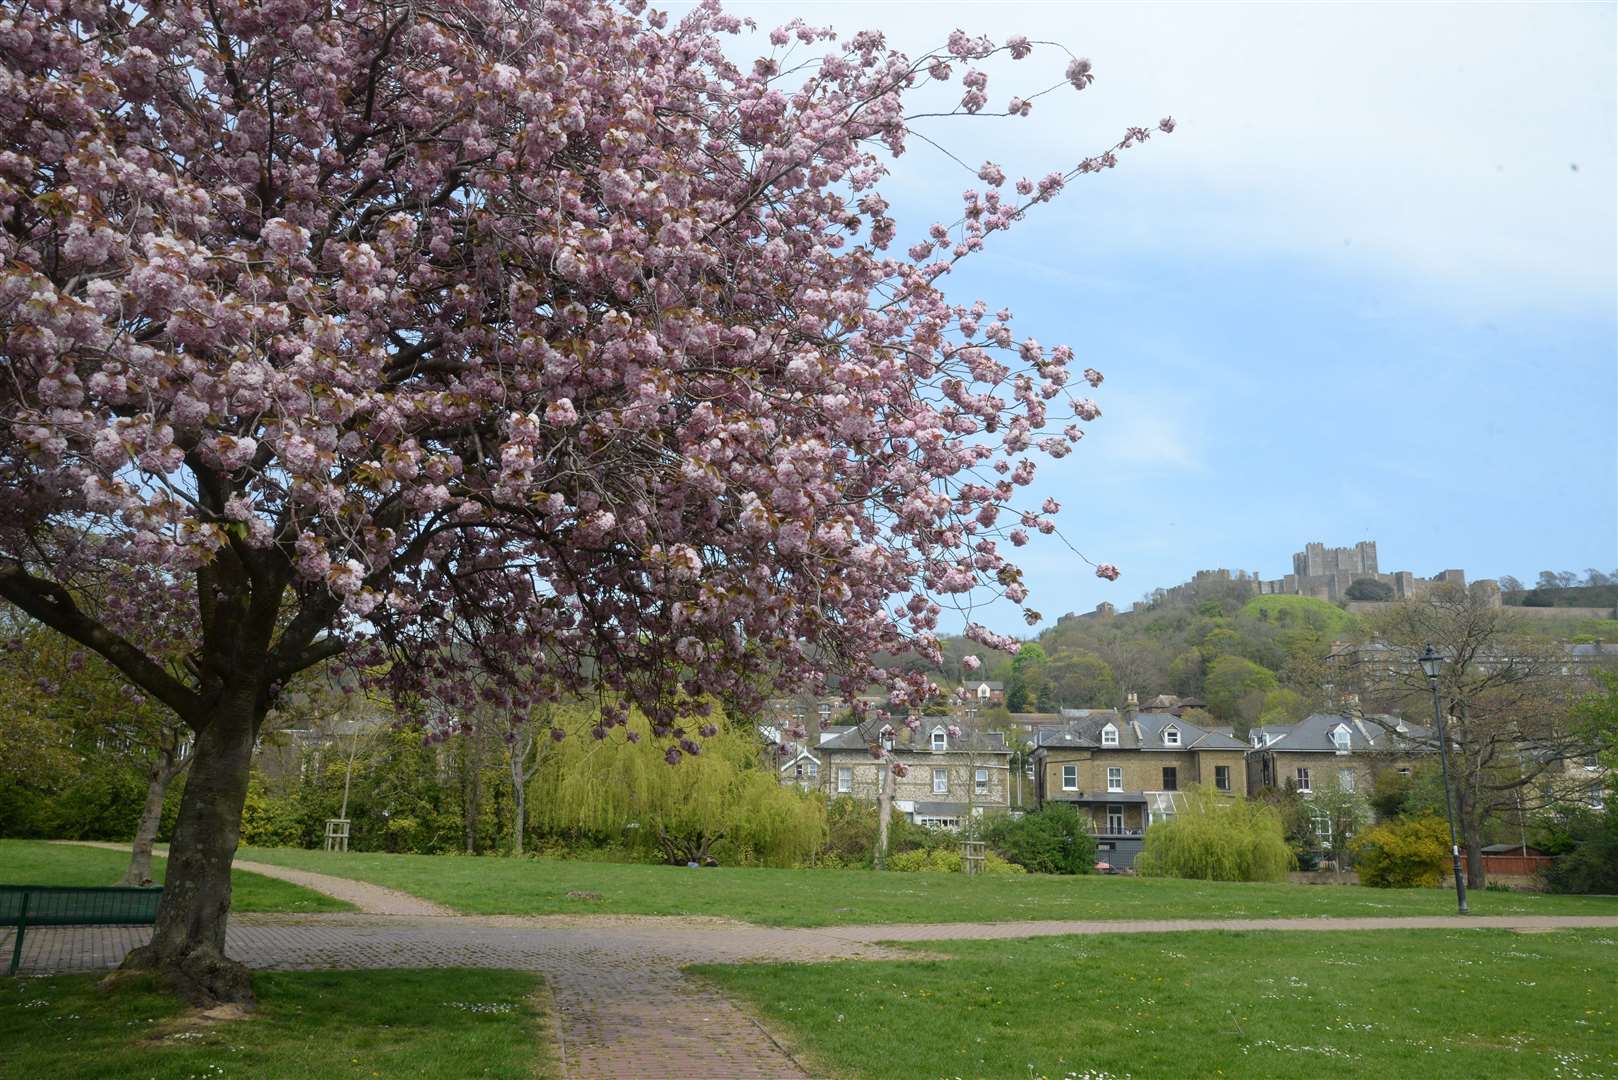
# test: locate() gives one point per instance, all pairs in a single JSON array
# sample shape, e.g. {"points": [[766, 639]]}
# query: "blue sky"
{"points": [[1361, 293]]}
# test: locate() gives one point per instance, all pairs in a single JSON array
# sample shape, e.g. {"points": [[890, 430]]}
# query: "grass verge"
{"points": [[504, 886], [35, 862], [1436, 1004], [439, 1023]]}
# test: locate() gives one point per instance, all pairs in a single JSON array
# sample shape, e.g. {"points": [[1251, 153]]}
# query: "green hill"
{"points": [[1319, 615]]}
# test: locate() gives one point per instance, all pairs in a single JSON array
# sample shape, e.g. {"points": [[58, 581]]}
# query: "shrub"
{"points": [[1402, 854], [1217, 838], [1587, 856], [947, 860], [1051, 840]]}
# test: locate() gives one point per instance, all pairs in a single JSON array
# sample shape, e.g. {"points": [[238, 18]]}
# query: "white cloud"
{"points": [[1430, 142]]}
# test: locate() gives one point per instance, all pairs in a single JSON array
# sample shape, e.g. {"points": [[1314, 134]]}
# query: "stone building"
{"points": [[1346, 750], [1122, 774], [949, 779]]}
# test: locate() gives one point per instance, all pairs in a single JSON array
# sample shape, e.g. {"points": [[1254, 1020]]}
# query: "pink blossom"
{"points": [[1108, 571]]}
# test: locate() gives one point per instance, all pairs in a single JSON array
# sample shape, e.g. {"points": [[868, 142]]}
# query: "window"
{"points": [[1171, 736], [845, 779], [940, 739], [1345, 779], [1340, 738], [1115, 818], [814, 768], [981, 781], [939, 822], [1403, 770], [1257, 739], [940, 781], [1070, 778], [1222, 777], [887, 738], [1109, 736], [1171, 778], [1322, 821], [1115, 778], [1303, 779]]}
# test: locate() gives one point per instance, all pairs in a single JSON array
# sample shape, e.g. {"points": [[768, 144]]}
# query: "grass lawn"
{"points": [[503, 886], [444, 1022], [1431, 1003], [34, 862]]}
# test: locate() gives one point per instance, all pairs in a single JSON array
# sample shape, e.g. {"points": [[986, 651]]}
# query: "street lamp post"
{"points": [[1431, 662]]}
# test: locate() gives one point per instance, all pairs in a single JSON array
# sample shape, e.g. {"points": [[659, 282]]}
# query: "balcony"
{"points": [[1105, 832]]}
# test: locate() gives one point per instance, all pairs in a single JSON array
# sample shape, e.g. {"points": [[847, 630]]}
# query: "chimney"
{"points": [[1131, 700]]}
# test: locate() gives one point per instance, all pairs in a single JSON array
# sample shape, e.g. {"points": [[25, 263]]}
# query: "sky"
{"points": [[1368, 289]]}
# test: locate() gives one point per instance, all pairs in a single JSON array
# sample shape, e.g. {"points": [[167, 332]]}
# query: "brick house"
{"points": [[985, 694], [1350, 750], [950, 779], [1122, 772]]}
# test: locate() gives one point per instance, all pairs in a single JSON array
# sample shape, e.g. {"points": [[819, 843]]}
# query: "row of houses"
{"points": [[1121, 771]]}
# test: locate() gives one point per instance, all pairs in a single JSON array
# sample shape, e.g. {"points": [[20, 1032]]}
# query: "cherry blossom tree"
{"points": [[515, 350]]}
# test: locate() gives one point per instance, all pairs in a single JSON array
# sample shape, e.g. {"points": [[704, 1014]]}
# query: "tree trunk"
{"points": [[884, 815], [471, 788], [520, 812], [1472, 846], [151, 816], [187, 951]]}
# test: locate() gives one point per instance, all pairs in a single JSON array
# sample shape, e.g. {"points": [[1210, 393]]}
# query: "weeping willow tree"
{"points": [[1217, 838], [723, 801]]}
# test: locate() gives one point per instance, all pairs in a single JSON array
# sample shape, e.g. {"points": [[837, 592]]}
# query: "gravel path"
{"points": [[368, 898], [623, 1007]]}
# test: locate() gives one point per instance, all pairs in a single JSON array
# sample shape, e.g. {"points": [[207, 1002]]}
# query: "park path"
{"points": [[368, 898], [623, 1008]]}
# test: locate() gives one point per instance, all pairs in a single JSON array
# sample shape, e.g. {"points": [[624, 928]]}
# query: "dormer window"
{"points": [[940, 740], [1340, 738], [887, 738], [1257, 739], [1171, 736], [1109, 736]]}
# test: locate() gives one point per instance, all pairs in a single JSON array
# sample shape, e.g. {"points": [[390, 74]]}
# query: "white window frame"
{"points": [[1070, 778], [845, 779], [1302, 777], [980, 780], [1171, 736], [940, 781], [814, 768], [1115, 813], [887, 738], [1109, 736], [1115, 778], [1346, 779], [1341, 739], [940, 741]]}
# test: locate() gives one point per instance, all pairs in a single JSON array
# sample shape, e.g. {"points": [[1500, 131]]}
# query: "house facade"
{"points": [[1332, 748], [949, 779], [1122, 773]]}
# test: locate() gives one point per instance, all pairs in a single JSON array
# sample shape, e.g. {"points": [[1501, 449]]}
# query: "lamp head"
{"points": [[1430, 662]]}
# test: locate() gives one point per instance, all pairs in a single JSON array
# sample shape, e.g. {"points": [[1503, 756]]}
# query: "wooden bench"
{"points": [[22, 906]]}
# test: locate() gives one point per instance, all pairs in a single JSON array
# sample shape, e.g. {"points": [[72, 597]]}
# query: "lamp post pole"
{"points": [[1430, 663]]}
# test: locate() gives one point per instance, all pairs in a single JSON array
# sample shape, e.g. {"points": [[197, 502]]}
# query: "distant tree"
{"points": [[1567, 579], [1594, 578], [1340, 812], [1510, 584], [1029, 679], [1215, 838], [1186, 673], [1229, 678], [1282, 706], [1370, 589], [1051, 840], [1081, 680], [1506, 697], [1548, 579]]}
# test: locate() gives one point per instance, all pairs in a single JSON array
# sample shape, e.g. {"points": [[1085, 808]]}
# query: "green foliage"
{"points": [[1370, 589], [1051, 840], [1217, 838], [1403, 854], [1302, 611], [1585, 845], [1231, 678], [723, 800], [1081, 680], [947, 860], [1028, 684]]}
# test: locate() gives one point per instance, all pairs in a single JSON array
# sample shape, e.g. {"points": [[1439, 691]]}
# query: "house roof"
{"points": [[802, 753], [1144, 732], [1313, 734], [919, 742], [940, 809], [973, 685]]}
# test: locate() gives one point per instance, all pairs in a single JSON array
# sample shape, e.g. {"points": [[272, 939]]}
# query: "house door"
{"points": [[1115, 818]]}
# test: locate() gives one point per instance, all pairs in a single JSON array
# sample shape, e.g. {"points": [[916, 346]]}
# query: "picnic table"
{"points": [[22, 906]]}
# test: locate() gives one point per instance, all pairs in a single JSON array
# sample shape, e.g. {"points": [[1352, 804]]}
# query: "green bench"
{"points": [[23, 906]]}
